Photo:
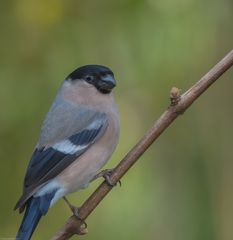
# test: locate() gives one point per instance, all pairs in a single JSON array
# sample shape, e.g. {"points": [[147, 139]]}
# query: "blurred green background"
{"points": [[182, 188]]}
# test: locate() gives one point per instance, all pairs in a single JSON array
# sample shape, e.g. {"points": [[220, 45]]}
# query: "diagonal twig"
{"points": [[179, 103]]}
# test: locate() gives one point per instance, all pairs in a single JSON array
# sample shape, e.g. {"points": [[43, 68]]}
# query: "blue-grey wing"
{"points": [[47, 162]]}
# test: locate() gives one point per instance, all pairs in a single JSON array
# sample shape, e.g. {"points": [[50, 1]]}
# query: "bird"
{"points": [[78, 136]]}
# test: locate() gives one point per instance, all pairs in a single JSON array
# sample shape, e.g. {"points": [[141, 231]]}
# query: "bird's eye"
{"points": [[89, 79]]}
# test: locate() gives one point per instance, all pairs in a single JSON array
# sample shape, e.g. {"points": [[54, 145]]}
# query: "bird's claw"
{"points": [[106, 175], [75, 211]]}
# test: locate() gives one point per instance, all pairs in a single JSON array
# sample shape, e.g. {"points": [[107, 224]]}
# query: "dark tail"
{"points": [[36, 207]]}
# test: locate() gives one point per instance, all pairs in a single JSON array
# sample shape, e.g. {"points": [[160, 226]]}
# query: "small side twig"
{"points": [[178, 105], [175, 95]]}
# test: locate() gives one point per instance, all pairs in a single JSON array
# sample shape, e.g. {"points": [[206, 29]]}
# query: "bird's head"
{"points": [[101, 77]]}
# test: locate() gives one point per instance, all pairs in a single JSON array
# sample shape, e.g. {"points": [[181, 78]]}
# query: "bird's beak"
{"points": [[107, 82]]}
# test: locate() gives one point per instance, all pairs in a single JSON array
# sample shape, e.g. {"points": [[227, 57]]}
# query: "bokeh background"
{"points": [[182, 188]]}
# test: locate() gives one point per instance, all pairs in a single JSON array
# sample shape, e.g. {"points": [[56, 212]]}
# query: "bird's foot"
{"points": [[106, 175], [75, 211]]}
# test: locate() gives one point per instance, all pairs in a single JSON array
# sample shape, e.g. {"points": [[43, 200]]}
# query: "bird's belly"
{"points": [[79, 174]]}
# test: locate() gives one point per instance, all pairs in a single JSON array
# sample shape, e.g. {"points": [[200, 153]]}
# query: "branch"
{"points": [[179, 103]]}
